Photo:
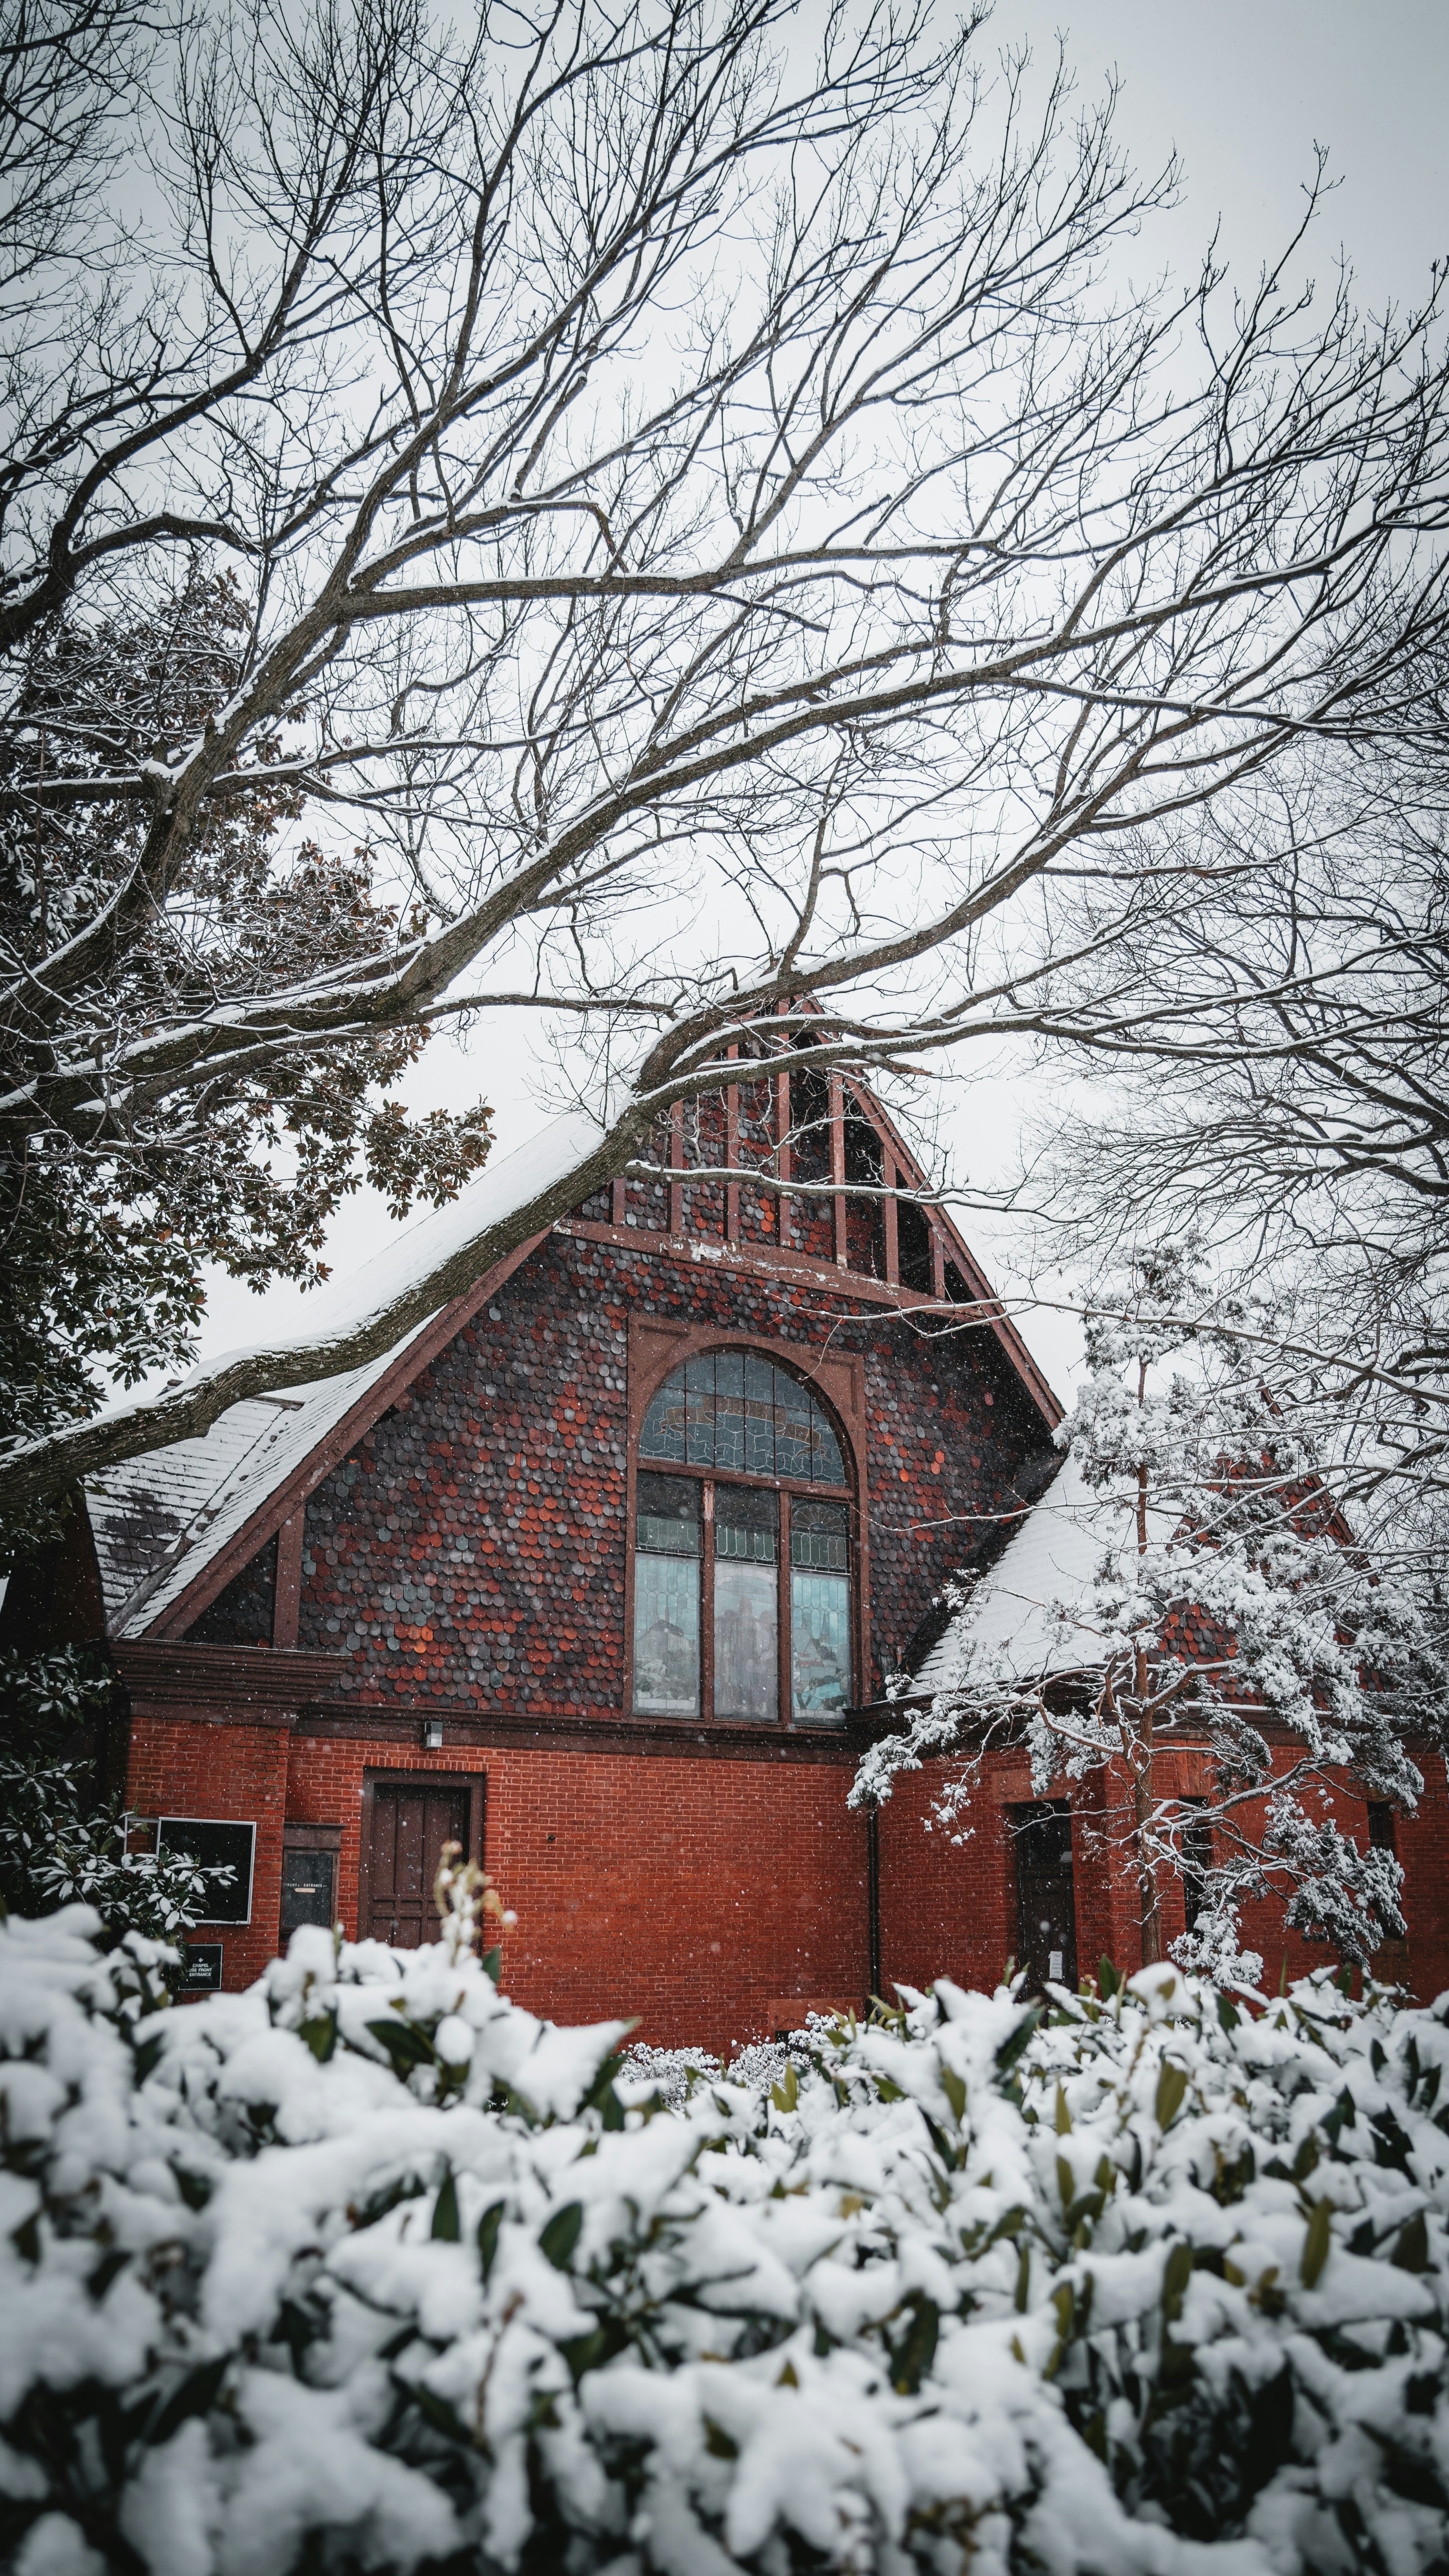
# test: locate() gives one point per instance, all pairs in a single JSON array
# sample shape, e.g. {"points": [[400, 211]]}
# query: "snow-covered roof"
{"points": [[1020, 1613], [159, 1520]]}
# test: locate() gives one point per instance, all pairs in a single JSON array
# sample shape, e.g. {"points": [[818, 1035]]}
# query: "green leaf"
{"points": [[1064, 2304], [717, 2441], [1411, 2252], [196, 2395], [493, 1961], [99, 2281], [786, 2094], [561, 2235], [1317, 2242], [445, 2211], [406, 2045], [1171, 2086], [1109, 1982], [955, 2091], [1063, 2115], [320, 2035], [488, 2226], [194, 2188], [591, 2351], [913, 2352], [1016, 2040], [436, 2411], [1176, 2274]]}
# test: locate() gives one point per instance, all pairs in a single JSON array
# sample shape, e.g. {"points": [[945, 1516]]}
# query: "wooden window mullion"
{"points": [[706, 1602], [785, 1713], [287, 1594], [837, 1168], [782, 1155]]}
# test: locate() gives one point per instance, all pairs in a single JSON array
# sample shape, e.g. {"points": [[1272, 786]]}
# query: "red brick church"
{"points": [[603, 1573]]}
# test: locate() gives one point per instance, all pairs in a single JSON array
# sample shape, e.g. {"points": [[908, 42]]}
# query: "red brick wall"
{"points": [[696, 1893], [183, 1767], [952, 1907], [701, 1892]]}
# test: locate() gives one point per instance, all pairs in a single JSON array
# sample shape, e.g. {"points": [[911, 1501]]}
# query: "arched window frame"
{"points": [[656, 1350]]}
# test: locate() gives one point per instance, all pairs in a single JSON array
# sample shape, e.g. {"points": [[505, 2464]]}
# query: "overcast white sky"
{"points": [[1243, 90]]}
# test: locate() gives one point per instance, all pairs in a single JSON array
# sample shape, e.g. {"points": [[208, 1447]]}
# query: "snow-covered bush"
{"points": [[61, 1842], [368, 2268], [672, 2072]]}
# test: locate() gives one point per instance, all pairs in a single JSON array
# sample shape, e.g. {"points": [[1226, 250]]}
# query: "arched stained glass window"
{"points": [[738, 1411], [742, 1555]]}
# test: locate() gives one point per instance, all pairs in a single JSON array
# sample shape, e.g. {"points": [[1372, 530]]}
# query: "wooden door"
{"points": [[1046, 1905], [410, 1824]]}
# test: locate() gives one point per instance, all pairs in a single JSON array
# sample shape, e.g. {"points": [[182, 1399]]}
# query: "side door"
{"points": [[1046, 1904], [411, 1821]]}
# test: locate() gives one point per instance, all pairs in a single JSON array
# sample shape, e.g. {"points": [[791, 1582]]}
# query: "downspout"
{"points": [[872, 1892]]}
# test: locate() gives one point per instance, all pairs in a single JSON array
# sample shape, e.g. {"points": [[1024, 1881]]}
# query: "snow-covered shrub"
{"points": [[61, 1843], [368, 2268], [672, 2072]]}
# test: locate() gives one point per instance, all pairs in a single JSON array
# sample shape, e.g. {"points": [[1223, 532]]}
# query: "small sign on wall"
{"points": [[203, 1968], [309, 1877], [224, 1851]]}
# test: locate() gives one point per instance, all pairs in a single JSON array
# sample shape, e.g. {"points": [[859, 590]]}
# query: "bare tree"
{"points": [[718, 534], [1276, 1070]]}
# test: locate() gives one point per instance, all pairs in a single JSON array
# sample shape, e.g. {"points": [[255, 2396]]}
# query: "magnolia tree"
{"points": [[1223, 1607]]}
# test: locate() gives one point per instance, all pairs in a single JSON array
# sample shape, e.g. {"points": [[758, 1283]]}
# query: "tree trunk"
{"points": [[1149, 1911]]}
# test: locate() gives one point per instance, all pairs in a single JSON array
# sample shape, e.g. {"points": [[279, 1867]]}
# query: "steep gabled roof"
{"points": [[172, 1528], [161, 1520], [1026, 1616], [157, 1520]]}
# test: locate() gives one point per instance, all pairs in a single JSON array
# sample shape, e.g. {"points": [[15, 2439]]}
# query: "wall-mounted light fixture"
{"points": [[432, 1735]]}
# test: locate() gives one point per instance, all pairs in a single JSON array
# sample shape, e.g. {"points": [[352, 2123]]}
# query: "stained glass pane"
{"points": [[668, 1515], [826, 1464], [736, 1410], [729, 1409], [819, 1645], [759, 1415], [792, 1427], [666, 1635], [820, 1535], [663, 1432], [699, 1379], [746, 1658], [746, 1523]]}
